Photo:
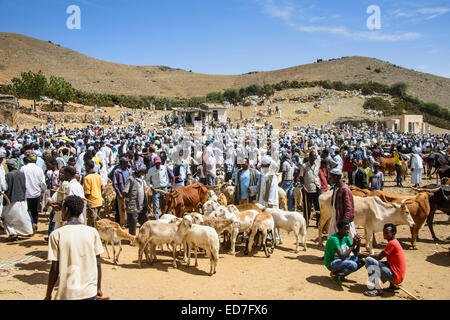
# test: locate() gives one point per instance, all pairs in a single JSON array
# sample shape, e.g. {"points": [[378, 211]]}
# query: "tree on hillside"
{"points": [[231, 95], [60, 89], [30, 86], [398, 89]]}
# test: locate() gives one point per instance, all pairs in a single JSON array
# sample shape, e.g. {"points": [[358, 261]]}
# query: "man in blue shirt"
{"points": [[246, 180]]}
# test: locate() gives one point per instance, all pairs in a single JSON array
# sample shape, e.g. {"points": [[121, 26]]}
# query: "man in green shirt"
{"points": [[337, 253]]}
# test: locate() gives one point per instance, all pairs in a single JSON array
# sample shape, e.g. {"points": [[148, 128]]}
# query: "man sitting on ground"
{"points": [[395, 268], [337, 253]]}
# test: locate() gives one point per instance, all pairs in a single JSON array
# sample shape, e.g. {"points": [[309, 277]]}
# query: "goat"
{"points": [[289, 221], [111, 232], [204, 237], [153, 233], [264, 224]]}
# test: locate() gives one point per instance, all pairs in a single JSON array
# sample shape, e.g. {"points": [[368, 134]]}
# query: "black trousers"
{"points": [[133, 218], [310, 198], [33, 208]]}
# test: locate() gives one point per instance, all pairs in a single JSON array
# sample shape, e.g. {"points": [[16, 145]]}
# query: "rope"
{"points": [[22, 260]]}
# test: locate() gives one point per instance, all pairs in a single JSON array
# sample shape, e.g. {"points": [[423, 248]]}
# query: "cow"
{"points": [[439, 200], [370, 213], [443, 172], [190, 197], [418, 206], [435, 160], [388, 165]]}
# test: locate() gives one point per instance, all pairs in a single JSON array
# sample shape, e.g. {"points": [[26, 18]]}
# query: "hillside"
{"points": [[20, 53]]}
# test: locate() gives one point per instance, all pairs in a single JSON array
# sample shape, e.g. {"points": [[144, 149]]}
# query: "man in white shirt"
{"points": [[74, 251], [158, 178], [34, 186], [74, 188]]}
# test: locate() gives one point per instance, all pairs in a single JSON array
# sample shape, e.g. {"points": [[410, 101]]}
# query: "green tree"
{"points": [[62, 90], [398, 89], [30, 86]]}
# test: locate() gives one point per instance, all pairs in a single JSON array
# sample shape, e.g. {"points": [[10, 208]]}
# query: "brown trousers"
{"points": [[122, 212]]}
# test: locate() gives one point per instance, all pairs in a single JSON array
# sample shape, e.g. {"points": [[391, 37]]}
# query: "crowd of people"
{"points": [[44, 168]]}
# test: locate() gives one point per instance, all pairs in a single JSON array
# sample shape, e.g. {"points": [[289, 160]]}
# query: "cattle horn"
{"points": [[425, 190], [160, 191]]}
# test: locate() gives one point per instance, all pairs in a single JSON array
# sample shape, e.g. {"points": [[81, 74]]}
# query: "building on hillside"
{"points": [[206, 113], [407, 123], [8, 100]]}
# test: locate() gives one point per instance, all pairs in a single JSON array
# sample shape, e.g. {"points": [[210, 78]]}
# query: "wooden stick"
{"points": [[65, 193], [6, 198], [408, 293]]}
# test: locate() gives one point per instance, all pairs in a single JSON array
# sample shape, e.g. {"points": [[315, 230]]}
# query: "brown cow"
{"points": [[388, 165], [190, 197], [418, 206]]}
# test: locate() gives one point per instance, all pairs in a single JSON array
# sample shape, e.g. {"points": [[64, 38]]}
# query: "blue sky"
{"points": [[239, 36]]}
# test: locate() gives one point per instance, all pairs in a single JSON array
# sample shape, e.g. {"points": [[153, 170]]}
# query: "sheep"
{"points": [[228, 190], [289, 221], [204, 237], [111, 232], [155, 233], [298, 197], [210, 206], [282, 198], [222, 199], [245, 219], [229, 225], [263, 223]]}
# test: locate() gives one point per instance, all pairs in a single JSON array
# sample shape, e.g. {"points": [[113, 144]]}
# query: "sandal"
{"points": [[372, 293], [12, 239], [336, 278], [392, 288]]}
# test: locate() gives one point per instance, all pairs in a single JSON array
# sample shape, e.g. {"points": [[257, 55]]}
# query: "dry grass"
{"points": [[20, 53]]}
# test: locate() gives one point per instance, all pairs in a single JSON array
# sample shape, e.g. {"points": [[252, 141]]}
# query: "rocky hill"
{"points": [[20, 53]]}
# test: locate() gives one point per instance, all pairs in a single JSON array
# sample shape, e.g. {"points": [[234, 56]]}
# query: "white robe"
{"points": [[273, 191], [17, 220]]}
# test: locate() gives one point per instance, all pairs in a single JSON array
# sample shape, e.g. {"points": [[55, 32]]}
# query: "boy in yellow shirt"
{"points": [[92, 185]]}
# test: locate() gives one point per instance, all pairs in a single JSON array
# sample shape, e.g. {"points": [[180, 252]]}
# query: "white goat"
{"points": [[206, 238], [264, 224], [153, 233], [289, 221]]}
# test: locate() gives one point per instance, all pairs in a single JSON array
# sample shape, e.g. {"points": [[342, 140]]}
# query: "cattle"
{"points": [[191, 197], [443, 172], [439, 200], [370, 213], [418, 206], [436, 160], [388, 165]]}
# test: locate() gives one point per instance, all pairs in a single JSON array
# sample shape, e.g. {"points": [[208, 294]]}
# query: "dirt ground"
{"points": [[286, 275]]}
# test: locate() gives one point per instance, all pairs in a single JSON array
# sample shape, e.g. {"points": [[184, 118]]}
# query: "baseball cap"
{"points": [[157, 160]]}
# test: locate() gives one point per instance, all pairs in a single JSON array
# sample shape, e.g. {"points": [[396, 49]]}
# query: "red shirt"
{"points": [[323, 180], [396, 260]]}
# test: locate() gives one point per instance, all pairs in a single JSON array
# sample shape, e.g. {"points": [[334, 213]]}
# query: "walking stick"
{"points": [[65, 193], [6, 198], [407, 292], [305, 193]]}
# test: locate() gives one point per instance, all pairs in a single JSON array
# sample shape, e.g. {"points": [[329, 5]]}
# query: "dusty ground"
{"points": [[285, 275]]}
